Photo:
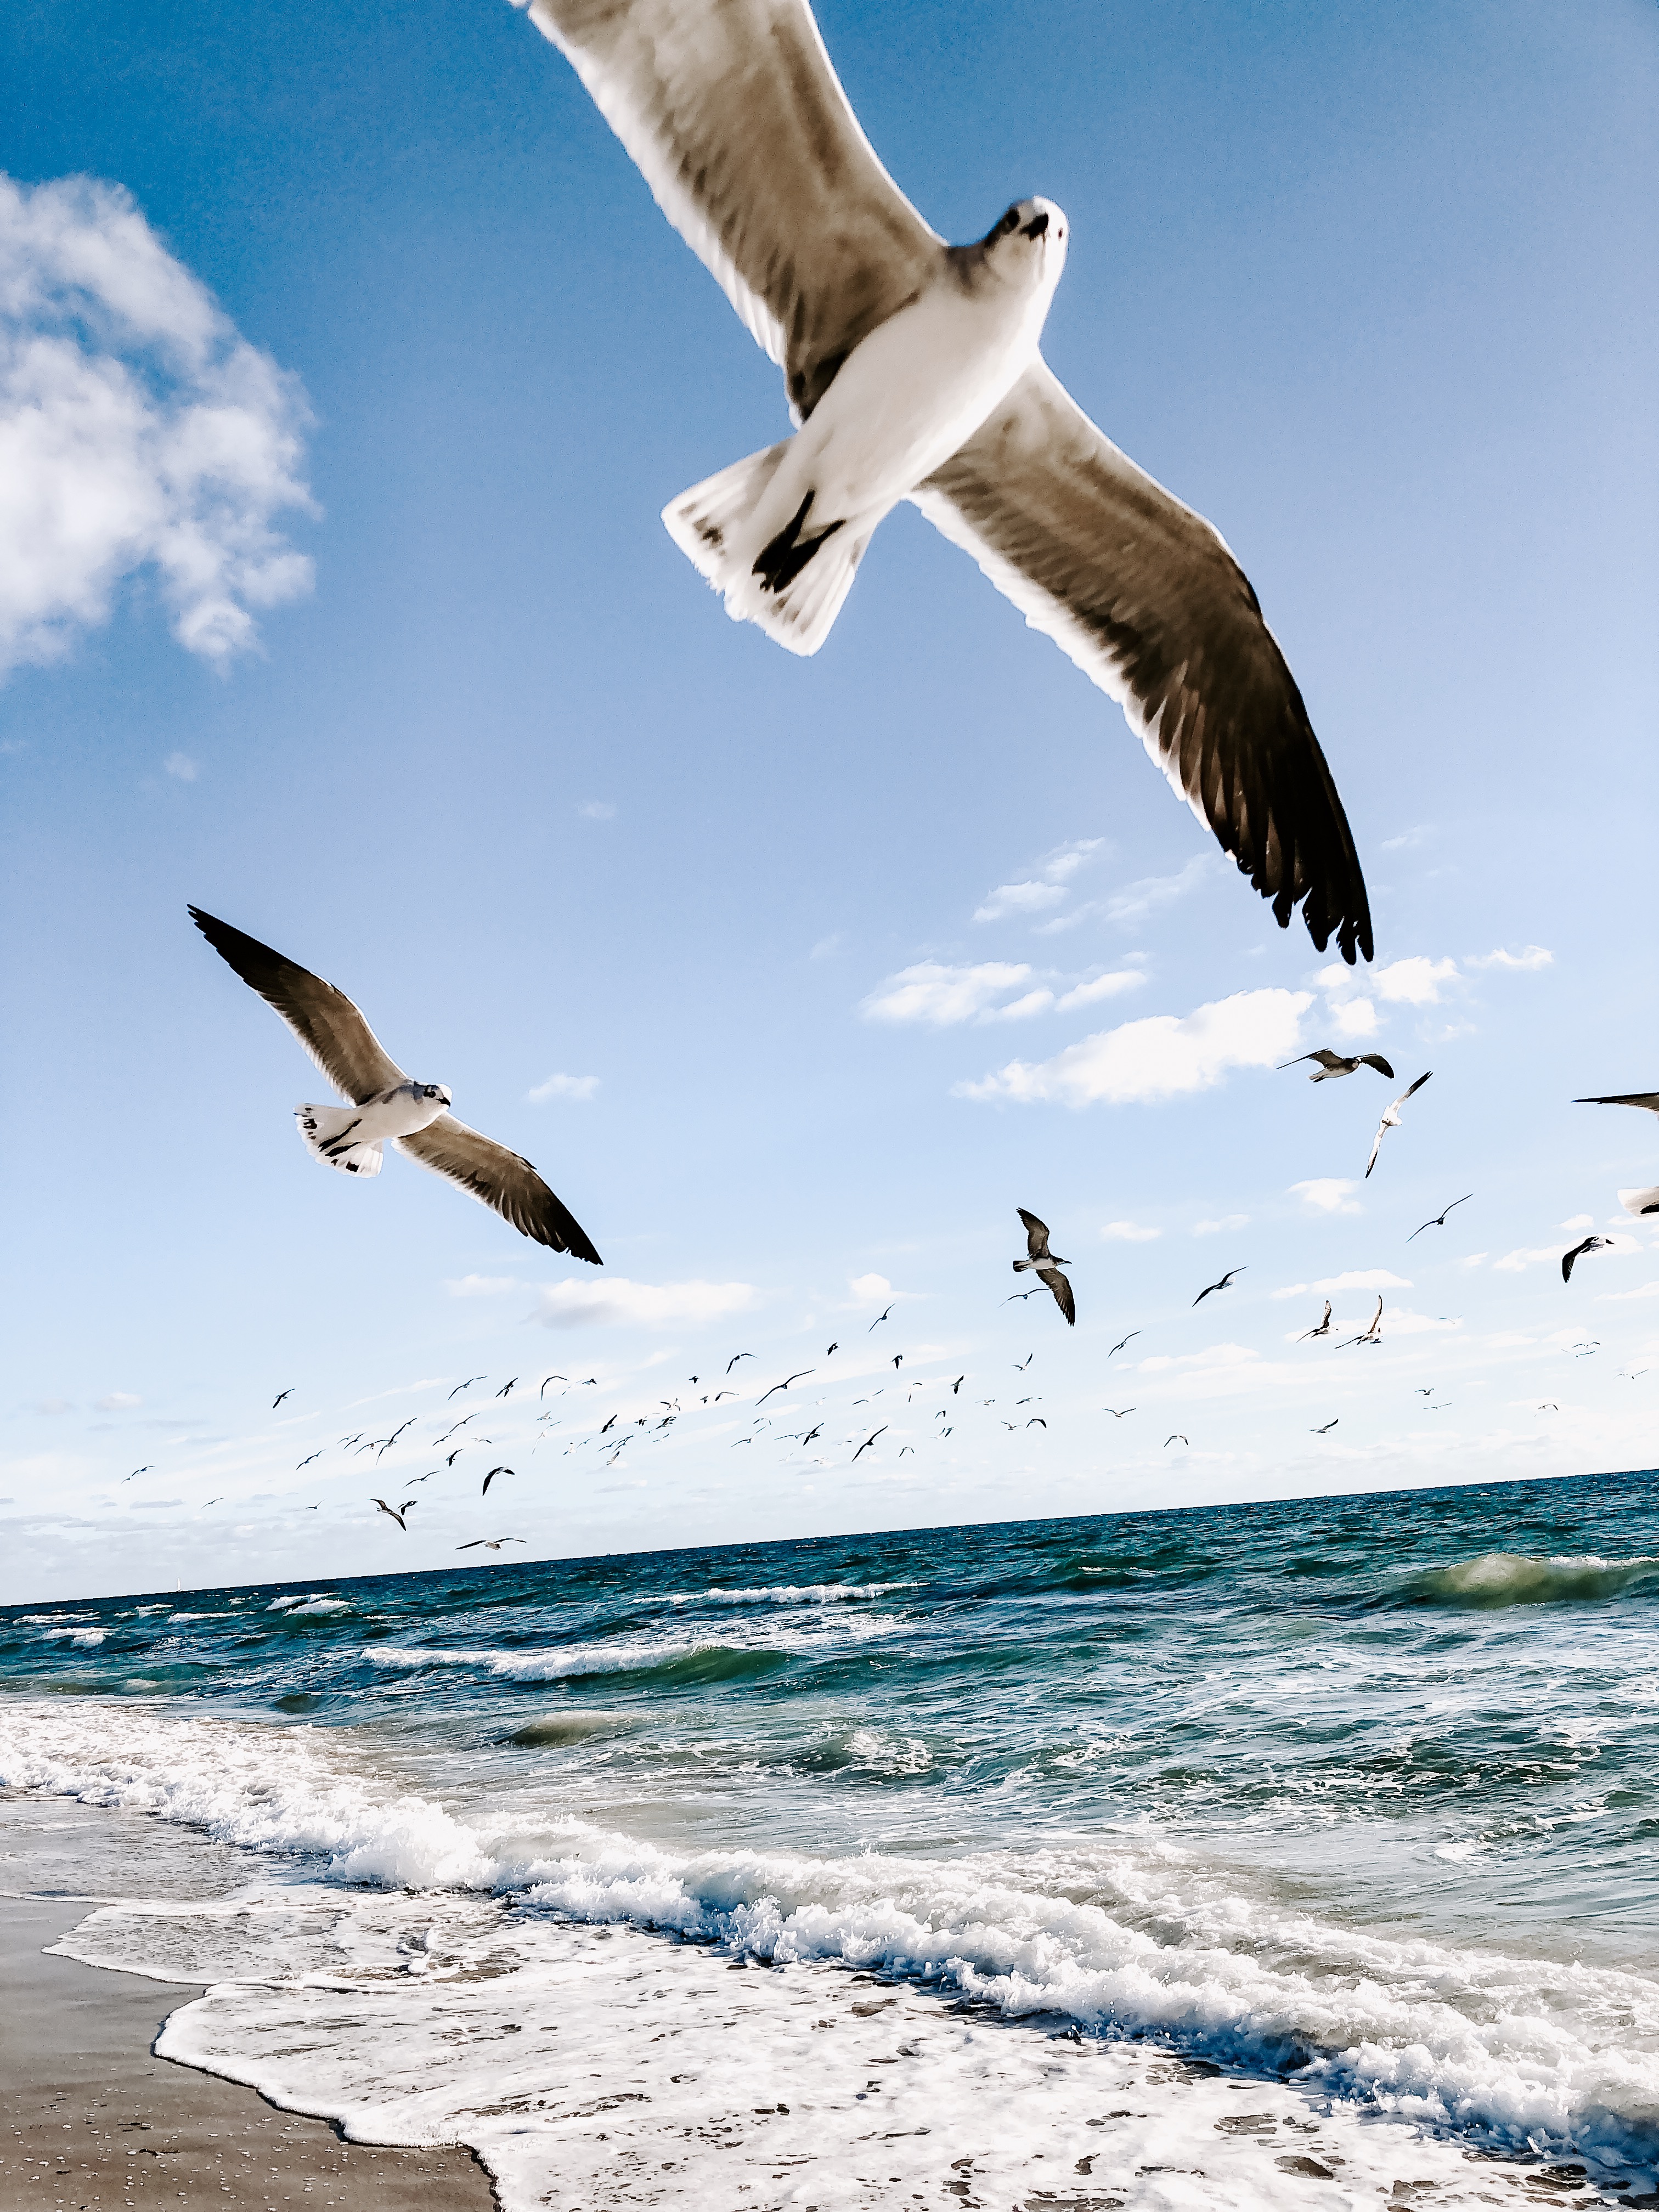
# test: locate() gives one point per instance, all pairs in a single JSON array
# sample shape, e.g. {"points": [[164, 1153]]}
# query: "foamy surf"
{"points": [[1496, 1578]]}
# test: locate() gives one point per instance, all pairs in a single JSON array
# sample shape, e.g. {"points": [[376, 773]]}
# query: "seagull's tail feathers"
{"points": [[326, 1131], [793, 590]]}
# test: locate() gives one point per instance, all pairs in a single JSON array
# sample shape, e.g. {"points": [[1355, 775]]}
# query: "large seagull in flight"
{"points": [[387, 1106], [913, 370]]}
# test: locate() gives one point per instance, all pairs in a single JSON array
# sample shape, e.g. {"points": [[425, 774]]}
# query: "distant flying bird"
{"points": [[1332, 1064], [1371, 1334], [454, 1455], [467, 1385], [1221, 1285], [1036, 1421], [1323, 1328], [137, 1471], [914, 368], [614, 1418], [281, 1394], [784, 1385], [383, 1444], [490, 1477], [811, 1433], [1020, 1366], [1549, 1408], [1122, 1340], [1047, 1265], [877, 1321], [1589, 1244], [307, 1462], [1391, 1117], [1117, 1412], [868, 1441], [834, 1347], [546, 1379], [1421, 1391], [506, 1389], [1177, 1438], [1326, 1431], [1022, 1295], [387, 1107], [413, 1478], [956, 1386], [1439, 1220], [737, 1356], [490, 1543], [396, 1512]]}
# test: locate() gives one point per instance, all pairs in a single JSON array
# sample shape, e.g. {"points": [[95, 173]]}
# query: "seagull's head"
{"points": [[435, 1092], [1027, 245]]}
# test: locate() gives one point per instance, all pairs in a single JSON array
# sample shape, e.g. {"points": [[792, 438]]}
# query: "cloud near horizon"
{"points": [[1162, 1056], [139, 431], [942, 996], [612, 1301]]}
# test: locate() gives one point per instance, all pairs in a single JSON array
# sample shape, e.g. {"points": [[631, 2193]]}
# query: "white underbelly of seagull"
{"points": [[350, 1138]]}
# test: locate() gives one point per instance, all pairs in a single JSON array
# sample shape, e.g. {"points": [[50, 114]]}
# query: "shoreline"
{"points": [[95, 2121]]}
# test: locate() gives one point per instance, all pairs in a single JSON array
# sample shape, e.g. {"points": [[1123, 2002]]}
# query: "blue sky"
{"points": [[430, 701]]}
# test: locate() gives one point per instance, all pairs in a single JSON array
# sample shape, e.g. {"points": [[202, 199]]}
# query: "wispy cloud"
{"points": [[1227, 1221], [578, 1088], [1408, 840], [139, 431], [930, 992], [597, 810], [612, 1301], [876, 1288], [1328, 1193], [1049, 887], [1129, 1232], [117, 1402], [1532, 957], [1136, 901], [1165, 1056], [826, 947], [1361, 1278], [181, 768], [483, 1286]]}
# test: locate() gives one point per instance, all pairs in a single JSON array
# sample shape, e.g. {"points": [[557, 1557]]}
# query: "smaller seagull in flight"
{"points": [[506, 1389], [1177, 1438], [1122, 1340], [834, 1347], [1328, 1426], [1373, 1334], [490, 1543], [1046, 1265], [467, 1385], [281, 1394], [490, 1477], [1332, 1064], [1439, 1220], [1221, 1285], [396, 1512], [956, 1386], [1117, 1412], [1322, 1330], [137, 1472], [1589, 1244], [307, 1462], [784, 1385], [878, 1320], [1391, 1117], [737, 1356], [546, 1379], [868, 1441]]}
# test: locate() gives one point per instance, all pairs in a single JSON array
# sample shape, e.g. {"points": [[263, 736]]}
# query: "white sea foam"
{"points": [[316, 1602], [75, 1635], [789, 1594], [1498, 1578], [622, 1655], [1134, 1938]]}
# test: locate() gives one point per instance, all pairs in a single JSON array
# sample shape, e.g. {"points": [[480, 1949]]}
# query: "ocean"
{"points": [[1228, 1857]]}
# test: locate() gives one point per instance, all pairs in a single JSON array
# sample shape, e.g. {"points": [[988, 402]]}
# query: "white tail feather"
{"points": [[322, 1129], [708, 525]]}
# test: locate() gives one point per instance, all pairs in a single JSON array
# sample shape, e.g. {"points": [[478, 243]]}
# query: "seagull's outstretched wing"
{"points": [[1036, 1234], [737, 121], [1649, 1099], [1062, 1290], [1145, 597], [324, 1020], [502, 1180]]}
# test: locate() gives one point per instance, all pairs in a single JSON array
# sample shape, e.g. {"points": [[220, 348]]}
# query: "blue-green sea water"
{"points": [[1365, 1785]]}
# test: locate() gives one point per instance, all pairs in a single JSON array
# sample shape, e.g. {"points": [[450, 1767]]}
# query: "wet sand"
{"points": [[93, 2122]]}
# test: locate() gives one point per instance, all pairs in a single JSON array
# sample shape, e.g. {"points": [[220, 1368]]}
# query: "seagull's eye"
{"points": [[1009, 221]]}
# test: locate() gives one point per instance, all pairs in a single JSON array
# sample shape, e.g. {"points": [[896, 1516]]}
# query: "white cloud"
{"points": [[1354, 1020], [483, 1286], [580, 1088], [117, 1402], [597, 810], [1580, 1221], [1408, 840], [139, 431], [613, 1301], [1129, 1232], [1135, 901], [1363, 1278], [1472, 1259], [181, 766], [1019, 1010], [876, 1288], [1048, 888], [52, 1406], [1618, 1298], [1416, 982], [1216, 1228], [1402, 1322], [1165, 1056], [1514, 1263], [1110, 985], [930, 992], [825, 946], [1327, 1193], [1533, 957]]}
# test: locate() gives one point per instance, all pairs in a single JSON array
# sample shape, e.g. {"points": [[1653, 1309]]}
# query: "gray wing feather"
{"points": [[324, 1020], [1062, 1290], [501, 1180], [732, 113], [1146, 598], [1649, 1099], [1036, 1234]]}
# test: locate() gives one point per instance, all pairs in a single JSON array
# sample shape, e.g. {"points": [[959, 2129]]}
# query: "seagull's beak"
{"points": [[1037, 225]]}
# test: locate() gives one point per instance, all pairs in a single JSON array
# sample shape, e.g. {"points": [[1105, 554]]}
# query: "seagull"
{"points": [[307, 1462], [1020, 1296], [1326, 1431], [1122, 1340], [506, 1389], [1637, 1202], [490, 1543], [1036, 1421], [1020, 1366], [1323, 1328], [1373, 1334], [898, 1361], [868, 1441], [877, 1321], [1046, 1265], [610, 1424], [1117, 1412], [1439, 1220], [956, 1386], [546, 1379], [490, 1477], [834, 1347], [1391, 1119], [385, 1105], [1332, 1064], [737, 1356], [281, 1394], [454, 1455], [811, 1433], [397, 1512], [1177, 1438], [467, 1385], [1550, 1406], [914, 370], [137, 1471], [1589, 1244], [1221, 1285], [383, 1444]]}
